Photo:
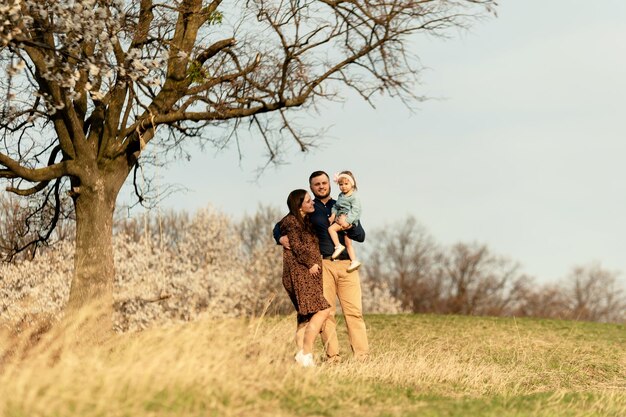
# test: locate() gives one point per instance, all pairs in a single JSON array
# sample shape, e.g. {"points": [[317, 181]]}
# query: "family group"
{"points": [[320, 265]]}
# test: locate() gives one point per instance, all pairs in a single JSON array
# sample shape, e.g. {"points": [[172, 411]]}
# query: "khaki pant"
{"points": [[339, 284]]}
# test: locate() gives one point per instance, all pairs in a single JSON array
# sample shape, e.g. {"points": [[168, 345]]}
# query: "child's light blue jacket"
{"points": [[350, 206]]}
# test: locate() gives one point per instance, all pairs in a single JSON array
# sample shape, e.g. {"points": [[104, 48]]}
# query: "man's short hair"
{"points": [[317, 174]]}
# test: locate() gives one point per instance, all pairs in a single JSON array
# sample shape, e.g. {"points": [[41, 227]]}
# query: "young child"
{"points": [[345, 213]]}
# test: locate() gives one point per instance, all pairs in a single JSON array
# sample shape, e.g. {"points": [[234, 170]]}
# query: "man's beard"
{"points": [[321, 197]]}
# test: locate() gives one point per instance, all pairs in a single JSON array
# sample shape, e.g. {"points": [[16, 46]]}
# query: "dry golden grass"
{"points": [[420, 365]]}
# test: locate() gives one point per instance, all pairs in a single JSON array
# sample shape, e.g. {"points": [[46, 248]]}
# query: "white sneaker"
{"points": [[306, 361], [338, 249], [299, 356], [354, 265]]}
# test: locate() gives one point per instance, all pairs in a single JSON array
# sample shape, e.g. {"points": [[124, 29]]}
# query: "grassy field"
{"points": [[420, 366]]}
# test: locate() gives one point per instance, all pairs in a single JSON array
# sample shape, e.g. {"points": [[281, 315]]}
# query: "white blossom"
{"points": [[205, 272], [74, 24]]}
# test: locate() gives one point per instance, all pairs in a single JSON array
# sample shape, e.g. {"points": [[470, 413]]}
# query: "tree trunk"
{"points": [[94, 269]]}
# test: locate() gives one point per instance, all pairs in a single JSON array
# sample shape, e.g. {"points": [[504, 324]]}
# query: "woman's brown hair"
{"points": [[294, 203]]}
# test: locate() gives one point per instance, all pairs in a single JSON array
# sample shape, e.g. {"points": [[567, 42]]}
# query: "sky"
{"points": [[521, 145]]}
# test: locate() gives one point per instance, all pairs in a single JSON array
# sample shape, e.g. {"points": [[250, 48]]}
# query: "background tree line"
{"points": [[469, 278], [177, 265], [169, 267]]}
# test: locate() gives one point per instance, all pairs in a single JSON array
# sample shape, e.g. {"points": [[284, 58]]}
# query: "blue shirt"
{"points": [[319, 219]]}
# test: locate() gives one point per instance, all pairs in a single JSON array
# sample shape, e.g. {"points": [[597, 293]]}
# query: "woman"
{"points": [[302, 274]]}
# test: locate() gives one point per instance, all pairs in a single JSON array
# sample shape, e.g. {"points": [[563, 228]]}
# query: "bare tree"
{"points": [[24, 225], [425, 277], [469, 279], [14, 228], [594, 294], [88, 83], [476, 281], [530, 299], [588, 292], [404, 256]]}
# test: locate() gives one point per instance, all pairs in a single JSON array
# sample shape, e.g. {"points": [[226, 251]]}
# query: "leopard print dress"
{"points": [[305, 291]]}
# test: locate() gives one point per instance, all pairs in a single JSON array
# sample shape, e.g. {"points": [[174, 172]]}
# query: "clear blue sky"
{"points": [[522, 147]]}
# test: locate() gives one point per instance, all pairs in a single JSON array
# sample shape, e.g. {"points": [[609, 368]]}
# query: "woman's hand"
{"points": [[315, 270]]}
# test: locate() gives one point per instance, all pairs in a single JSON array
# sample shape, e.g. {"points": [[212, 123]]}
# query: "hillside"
{"points": [[420, 366]]}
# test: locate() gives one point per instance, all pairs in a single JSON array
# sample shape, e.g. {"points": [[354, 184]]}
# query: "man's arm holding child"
{"points": [[282, 240], [356, 233]]}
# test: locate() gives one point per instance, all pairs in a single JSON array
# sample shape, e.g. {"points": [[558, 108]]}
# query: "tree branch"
{"points": [[48, 173]]}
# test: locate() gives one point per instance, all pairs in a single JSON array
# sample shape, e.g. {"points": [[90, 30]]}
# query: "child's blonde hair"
{"points": [[346, 174]]}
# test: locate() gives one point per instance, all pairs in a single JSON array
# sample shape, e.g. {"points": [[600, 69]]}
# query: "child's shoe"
{"points": [[354, 265], [338, 249]]}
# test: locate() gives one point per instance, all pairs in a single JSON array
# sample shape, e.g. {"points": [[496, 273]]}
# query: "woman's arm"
{"points": [[303, 253]]}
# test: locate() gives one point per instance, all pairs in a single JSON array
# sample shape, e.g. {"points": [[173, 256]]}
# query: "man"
{"points": [[338, 283]]}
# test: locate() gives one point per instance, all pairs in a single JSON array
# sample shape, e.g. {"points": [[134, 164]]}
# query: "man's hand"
{"points": [[341, 221], [284, 240]]}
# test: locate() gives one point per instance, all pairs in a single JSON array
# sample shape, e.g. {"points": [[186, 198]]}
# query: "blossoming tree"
{"points": [[88, 84]]}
